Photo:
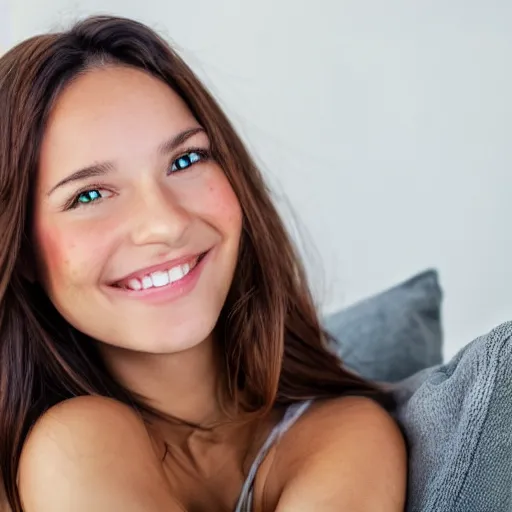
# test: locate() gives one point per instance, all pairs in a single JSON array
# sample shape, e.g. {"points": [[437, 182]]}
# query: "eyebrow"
{"points": [[102, 168], [172, 144]]}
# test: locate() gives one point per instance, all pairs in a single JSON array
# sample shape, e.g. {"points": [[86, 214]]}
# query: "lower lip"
{"points": [[170, 292]]}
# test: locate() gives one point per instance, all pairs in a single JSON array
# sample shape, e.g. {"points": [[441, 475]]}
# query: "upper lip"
{"points": [[166, 265]]}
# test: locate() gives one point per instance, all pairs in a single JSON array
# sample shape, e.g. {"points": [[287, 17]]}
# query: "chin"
{"points": [[171, 340], [159, 347]]}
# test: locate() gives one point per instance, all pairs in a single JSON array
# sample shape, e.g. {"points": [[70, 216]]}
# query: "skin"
{"points": [[91, 453], [145, 217]]}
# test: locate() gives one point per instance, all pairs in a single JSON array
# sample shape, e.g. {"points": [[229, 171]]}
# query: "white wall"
{"points": [[387, 125], [5, 37]]}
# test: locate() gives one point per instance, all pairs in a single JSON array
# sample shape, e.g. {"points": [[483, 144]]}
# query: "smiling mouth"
{"points": [[160, 278]]}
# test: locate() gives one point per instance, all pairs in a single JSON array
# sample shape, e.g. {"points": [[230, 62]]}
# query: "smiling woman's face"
{"points": [[136, 228]]}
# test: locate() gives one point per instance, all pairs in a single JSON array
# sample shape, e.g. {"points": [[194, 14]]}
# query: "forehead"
{"points": [[109, 113]]}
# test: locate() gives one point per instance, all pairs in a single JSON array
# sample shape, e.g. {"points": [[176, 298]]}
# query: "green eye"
{"points": [[187, 160], [88, 196]]}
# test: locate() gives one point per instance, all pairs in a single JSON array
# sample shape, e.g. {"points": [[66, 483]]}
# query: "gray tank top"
{"points": [[292, 414]]}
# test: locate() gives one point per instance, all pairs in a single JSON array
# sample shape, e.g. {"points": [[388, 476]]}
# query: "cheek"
{"points": [[66, 257], [223, 204], [53, 254]]}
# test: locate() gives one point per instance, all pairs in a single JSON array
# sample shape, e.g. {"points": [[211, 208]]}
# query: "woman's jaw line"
{"points": [[192, 373]]}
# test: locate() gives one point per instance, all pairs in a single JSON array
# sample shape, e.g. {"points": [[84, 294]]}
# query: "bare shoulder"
{"points": [[91, 453], [345, 453], [350, 415], [86, 412], [82, 426]]}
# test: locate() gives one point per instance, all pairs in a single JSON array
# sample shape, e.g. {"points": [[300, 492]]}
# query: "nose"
{"points": [[159, 218]]}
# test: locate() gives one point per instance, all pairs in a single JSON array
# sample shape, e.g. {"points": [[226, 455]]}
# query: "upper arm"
{"points": [[91, 453], [348, 455]]}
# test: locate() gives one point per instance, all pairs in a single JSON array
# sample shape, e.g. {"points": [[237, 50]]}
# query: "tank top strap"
{"points": [[291, 415]]}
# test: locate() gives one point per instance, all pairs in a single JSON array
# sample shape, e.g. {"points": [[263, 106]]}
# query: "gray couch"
{"points": [[457, 417]]}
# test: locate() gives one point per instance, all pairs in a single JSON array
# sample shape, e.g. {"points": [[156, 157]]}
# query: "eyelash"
{"points": [[201, 156], [75, 202]]}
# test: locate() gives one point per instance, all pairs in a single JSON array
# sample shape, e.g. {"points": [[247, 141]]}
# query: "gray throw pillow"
{"points": [[457, 419], [392, 335]]}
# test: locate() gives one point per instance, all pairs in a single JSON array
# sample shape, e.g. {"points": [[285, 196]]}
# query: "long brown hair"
{"points": [[274, 346]]}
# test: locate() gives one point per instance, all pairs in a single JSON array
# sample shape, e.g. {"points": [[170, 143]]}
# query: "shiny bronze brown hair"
{"points": [[274, 347]]}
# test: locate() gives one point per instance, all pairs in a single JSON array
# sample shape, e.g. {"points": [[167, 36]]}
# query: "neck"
{"points": [[183, 385]]}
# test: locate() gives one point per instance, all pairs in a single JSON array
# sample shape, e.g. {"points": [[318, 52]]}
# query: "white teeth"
{"points": [[134, 284], [175, 274], [159, 279]]}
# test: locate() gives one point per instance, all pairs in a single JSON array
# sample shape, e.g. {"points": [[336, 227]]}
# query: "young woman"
{"points": [[159, 347]]}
